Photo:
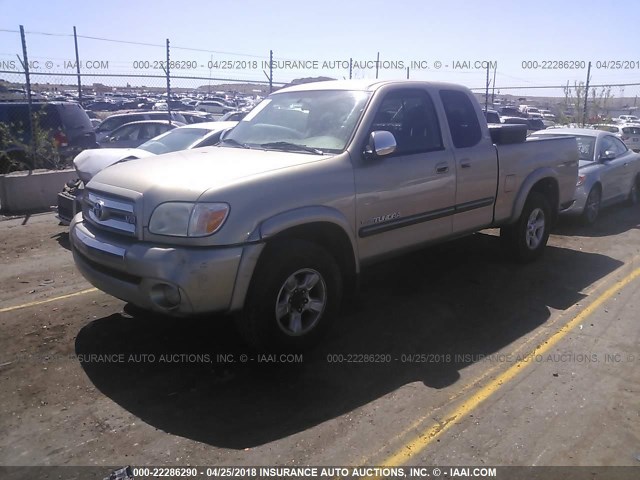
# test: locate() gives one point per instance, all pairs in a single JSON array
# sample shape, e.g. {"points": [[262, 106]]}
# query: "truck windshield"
{"points": [[320, 121]]}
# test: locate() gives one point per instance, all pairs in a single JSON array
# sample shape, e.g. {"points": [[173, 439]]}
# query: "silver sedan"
{"points": [[608, 171]]}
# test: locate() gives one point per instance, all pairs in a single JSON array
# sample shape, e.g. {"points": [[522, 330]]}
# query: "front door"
{"points": [[406, 198]]}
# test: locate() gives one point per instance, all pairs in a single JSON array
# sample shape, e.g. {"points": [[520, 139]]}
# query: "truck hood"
{"points": [[90, 162], [187, 174]]}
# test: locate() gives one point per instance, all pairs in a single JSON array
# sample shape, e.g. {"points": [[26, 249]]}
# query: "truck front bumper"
{"points": [[172, 280]]}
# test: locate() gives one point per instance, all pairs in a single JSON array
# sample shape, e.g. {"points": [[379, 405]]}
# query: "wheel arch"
{"points": [[542, 181], [324, 226]]}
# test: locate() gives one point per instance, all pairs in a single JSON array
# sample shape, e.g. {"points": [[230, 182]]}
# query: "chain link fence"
{"points": [[106, 75]]}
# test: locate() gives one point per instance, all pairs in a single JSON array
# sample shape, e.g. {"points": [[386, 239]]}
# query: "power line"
{"points": [[144, 44]]}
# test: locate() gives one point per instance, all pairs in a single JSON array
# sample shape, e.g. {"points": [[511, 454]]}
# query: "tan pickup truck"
{"points": [[275, 222]]}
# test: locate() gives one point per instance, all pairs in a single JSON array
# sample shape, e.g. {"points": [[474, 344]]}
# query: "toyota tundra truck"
{"points": [[275, 223]]}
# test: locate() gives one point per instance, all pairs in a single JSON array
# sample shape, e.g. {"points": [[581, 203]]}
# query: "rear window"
{"points": [[74, 117], [462, 118], [631, 130], [492, 117], [111, 123]]}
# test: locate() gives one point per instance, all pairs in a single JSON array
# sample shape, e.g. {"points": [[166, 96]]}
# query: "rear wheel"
{"points": [[633, 198], [592, 206], [525, 240], [295, 292]]}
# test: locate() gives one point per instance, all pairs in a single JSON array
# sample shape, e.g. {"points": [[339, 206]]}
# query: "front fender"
{"points": [[302, 216], [275, 225]]}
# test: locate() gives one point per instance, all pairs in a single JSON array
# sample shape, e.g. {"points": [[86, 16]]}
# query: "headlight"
{"points": [[581, 179], [182, 219]]}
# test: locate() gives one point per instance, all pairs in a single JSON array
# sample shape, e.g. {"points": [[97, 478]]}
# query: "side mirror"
{"points": [[608, 155], [381, 143]]}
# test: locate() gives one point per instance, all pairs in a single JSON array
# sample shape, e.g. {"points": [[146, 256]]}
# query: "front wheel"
{"points": [[592, 207], [295, 292], [525, 240]]}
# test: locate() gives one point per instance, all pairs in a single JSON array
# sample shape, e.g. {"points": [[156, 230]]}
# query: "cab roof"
{"points": [[364, 85]]}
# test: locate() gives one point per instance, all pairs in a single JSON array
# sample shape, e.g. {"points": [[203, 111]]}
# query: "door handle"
{"points": [[442, 168], [465, 165]]}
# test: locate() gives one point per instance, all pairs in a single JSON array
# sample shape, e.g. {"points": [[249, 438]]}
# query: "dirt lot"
{"points": [[428, 366]]}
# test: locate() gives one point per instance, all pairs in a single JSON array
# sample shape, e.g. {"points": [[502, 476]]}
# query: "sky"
{"points": [[541, 43]]}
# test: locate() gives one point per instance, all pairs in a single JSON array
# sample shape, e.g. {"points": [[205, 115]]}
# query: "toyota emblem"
{"points": [[99, 211]]}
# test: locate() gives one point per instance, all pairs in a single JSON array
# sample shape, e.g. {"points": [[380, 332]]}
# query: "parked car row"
{"points": [[114, 101], [533, 124]]}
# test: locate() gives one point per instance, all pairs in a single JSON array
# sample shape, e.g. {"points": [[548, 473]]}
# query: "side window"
{"points": [[157, 129], [619, 147], [50, 118], [18, 116], [411, 117], [128, 133], [462, 118], [607, 143]]}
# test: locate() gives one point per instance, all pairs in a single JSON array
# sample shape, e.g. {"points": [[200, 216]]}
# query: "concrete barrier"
{"points": [[32, 191]]}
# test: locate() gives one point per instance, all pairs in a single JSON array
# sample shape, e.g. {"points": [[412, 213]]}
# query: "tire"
{"points": [[592, 207], [525, 240], [634, 194], [294, 294]]}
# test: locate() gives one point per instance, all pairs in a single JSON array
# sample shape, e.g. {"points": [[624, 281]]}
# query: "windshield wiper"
{"points": [[231, 141], [291, 147]]}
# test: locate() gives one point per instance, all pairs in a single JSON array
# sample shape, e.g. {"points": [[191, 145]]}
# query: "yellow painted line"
{"points": [[419, 443], [491, 371], [48, 300]]}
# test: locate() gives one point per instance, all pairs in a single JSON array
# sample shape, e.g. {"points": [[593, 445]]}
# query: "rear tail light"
{"points": [[60, 139], [624, 139], [581, 179]]}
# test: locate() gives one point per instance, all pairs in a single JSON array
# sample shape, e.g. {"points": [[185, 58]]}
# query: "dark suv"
{"points": [[66, 123]]}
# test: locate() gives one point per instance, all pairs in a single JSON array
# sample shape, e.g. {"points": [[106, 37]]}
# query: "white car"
{"points": [[89, 162], [212, 106], [627, 119]]}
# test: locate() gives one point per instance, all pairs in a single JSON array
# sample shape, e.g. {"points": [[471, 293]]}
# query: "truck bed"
{"points": [[556, 156]]}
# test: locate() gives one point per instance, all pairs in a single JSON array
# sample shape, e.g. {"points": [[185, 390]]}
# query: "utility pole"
{"points": [[75, 42], [586, 95], [168, 70], [270, 71], [377, 64], [407, 73], [350, 68], [493, 85], [25, 65], [486, 92]]}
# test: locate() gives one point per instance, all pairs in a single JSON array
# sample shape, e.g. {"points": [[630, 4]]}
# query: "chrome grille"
{"points": [[110, 213]]}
